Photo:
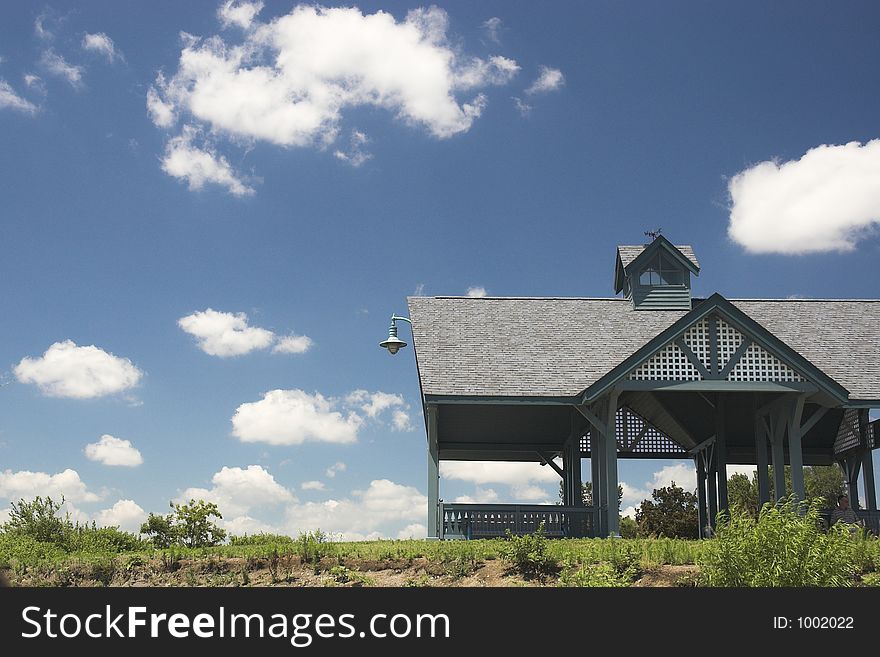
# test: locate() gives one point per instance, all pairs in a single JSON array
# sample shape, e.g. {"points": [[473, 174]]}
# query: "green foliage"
{"points": [[261, 539], [672, 513], [785, 546], [312, 546], [528, 554], [587, 493], [188, 525], [628, 527], [823, 482], [595, 575], [38, 519]]}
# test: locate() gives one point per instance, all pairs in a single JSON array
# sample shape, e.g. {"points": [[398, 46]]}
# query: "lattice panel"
{"points": [[629, 425], [697, 338], [758, 364], [848, 432], [729, 340], [668, 364]]}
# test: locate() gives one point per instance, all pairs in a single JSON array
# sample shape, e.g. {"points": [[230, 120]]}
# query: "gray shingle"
{"points": [[628, 253], [558, 347]]}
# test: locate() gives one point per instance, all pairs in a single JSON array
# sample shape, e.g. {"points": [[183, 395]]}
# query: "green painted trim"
{"points": [[739, 320], [717, 385], [669, 247], [479, 399]]}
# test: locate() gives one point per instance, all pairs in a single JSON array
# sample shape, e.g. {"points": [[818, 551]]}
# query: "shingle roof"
{"points": [[628, 253], [557, 347]]}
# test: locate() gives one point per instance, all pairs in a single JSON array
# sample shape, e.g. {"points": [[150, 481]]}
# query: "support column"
{"points": [[613, 512], [433, 473], [721, 453], [597, 459], [701, 495], [867, 462], [566, 476], [851, 466], [712, 481], [761, 459], [574, 446], [777, 428], [795, 455]]}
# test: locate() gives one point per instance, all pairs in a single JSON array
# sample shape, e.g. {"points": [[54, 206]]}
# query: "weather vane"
{"points": [[653, 234]]}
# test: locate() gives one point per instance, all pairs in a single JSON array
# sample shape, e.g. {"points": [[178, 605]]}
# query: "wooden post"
{"points": [[613, 514], [761, 460], [701, 495], [795, 454], [777, 428], [433, 473], [867, 462], [721, 453], [596, 460], [575, 459], [712, 480]]}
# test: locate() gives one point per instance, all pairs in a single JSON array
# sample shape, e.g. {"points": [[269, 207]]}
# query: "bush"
{"points": [[38, 519], [189, 525], [785, 546], [528, 554], [596, 575], [260, 539]]}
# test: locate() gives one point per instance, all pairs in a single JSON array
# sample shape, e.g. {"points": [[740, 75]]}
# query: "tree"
{"points": [[39, 520], [628, 527], [189, 525], [742, 493], [587, 493], [672, 513], [824, 482]]}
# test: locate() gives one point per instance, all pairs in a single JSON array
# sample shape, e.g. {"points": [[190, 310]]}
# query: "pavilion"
{"points": [[653, 373]]}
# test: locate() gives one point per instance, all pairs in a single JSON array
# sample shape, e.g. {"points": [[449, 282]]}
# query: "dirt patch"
{"points": [[664, 576]]}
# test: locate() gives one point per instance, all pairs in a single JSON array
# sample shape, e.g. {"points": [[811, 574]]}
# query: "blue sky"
{"points": [[153, 168]]}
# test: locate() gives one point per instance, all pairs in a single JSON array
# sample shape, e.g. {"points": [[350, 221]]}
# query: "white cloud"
{"points": [[114, 451], [41, 29], [531, 493], [198, 166], [11, 100], [523, 108], [238, 13], [66, 370], [629, 512], [34, 82], [371, 513], [57, 65], [492, 26], [27, 485], [747, 470], [101, 44], [339, 466], [290, 81], [292, 417], [400, 421], [4, 516], [237, 491], [125, 514], [373, 403], [312, 485], [480, 496], [292, 344], [225, 334], [498, 472], [549, 79], [683, 474], [415, 530], [476, 292], [247, 525], [827, 200], [356, 154]]}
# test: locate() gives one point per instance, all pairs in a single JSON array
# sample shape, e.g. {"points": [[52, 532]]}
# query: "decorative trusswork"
{"points": [[636, 435], [758, 364], [848, 437], [668, 364], [697, 338], [729, 340]]}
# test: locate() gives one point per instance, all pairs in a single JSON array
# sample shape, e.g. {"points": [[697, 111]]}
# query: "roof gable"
{"points": [[717, 341], [632, 258]]}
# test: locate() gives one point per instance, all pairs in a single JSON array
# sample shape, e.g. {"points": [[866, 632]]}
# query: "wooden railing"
{"points": [[871, 520], [492, 520]]}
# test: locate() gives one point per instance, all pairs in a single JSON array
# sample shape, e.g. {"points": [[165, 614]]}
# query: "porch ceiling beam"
{"points": [[592, 418], [672, 418], [692, 357], [547, 459], [544, 448], [703, 445], [817, 415]]}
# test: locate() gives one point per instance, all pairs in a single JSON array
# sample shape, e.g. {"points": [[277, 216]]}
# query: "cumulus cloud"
{"points": [[9, 99], [66, 370], [373, 403], [292, 417], [400, 421], [312, 485], [523, 108], [290, 80], [415, 530], [237, 491], [238, 13], [827, 200], [339, 466], [57, 65], [292, 344], [356, 154], [492, 27], [225, 334], [682, 474], [531, 493], [100, 43], [114, 451], [498, 472], [476, 292], [549, 79], [198, 164], [481, 496], [27, 485], [125, 514], [372, 513]]}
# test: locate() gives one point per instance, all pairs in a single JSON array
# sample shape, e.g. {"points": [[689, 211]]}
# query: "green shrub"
{"points": [[596, 575], [261, 539], [785, 546], [528, 554], [312, 546], [38, 519]]}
